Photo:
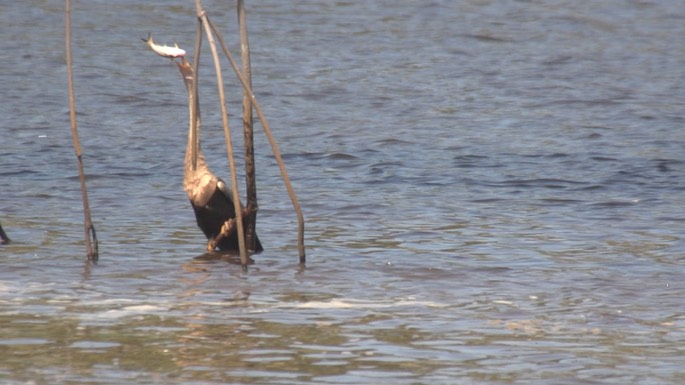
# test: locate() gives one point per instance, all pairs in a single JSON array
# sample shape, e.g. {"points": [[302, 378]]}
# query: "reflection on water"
{"points": [[493, 194]]}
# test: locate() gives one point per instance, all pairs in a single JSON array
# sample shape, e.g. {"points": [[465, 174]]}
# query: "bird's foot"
{"points": [[226, 230]]}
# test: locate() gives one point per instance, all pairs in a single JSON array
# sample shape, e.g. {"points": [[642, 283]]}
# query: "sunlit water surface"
{"points": [[494, 194]]}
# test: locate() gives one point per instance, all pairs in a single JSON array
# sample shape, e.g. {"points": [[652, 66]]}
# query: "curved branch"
{"points": [[274, 146], [227, 133]]}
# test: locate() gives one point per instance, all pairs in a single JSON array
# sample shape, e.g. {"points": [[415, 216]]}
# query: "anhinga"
{"points": [[210, 197]]}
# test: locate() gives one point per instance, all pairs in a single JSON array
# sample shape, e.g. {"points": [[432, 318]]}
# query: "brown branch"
{"points": [[274, 146], [202, 15], [226, 230], [4, 239], [91, 243], [248, 136]]}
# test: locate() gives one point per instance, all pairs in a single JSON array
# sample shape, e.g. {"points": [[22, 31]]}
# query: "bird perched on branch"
{"points": [[210, 197]]}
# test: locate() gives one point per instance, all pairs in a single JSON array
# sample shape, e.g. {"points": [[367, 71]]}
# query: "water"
{"points": [[493, 194]]}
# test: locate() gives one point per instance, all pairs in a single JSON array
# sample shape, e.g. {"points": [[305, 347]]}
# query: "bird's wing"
{"points": [[224, 189]]}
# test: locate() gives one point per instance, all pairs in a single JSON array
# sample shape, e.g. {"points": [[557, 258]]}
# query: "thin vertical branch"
{"points": [[227, 133], [91, 244], [4, 239], [274, 146], [248, 135]]}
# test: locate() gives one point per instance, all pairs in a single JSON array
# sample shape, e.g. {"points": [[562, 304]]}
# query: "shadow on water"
{"points": [[225, 256]]}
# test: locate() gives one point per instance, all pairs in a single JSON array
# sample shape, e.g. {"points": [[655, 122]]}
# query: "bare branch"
{"points": [[91, 237]]}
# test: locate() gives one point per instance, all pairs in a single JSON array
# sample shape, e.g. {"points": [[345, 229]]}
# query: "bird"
{"points": [[209, 196]]}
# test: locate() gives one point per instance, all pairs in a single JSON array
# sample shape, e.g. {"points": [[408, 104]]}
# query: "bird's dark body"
{"points": [[213, 214]]}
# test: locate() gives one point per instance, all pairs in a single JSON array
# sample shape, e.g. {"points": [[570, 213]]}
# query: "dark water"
{"points": [[494, 194]]}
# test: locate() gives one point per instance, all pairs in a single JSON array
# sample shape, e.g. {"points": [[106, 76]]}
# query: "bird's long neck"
{"points": [[194, 159]]}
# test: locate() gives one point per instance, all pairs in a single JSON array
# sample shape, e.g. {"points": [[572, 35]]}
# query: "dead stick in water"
{"points": [[227, 133], [274, 146], [4, 239], [248, 135], [91, 244]]}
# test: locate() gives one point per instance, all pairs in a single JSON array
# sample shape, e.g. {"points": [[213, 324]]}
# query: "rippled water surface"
{"points": [[494, 194]]}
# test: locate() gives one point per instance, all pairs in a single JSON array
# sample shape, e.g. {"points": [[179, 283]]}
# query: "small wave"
{"points": [[616, 203], [540, 182], [126, 311], [603, 159], [560, 201], [23, 341], [581, 102], [487, 38], [22, 172], [357, 304], [320, 155], [341, 156], [475, 161]]}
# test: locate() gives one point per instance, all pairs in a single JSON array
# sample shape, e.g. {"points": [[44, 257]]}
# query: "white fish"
{"points": [[164, 50]]}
